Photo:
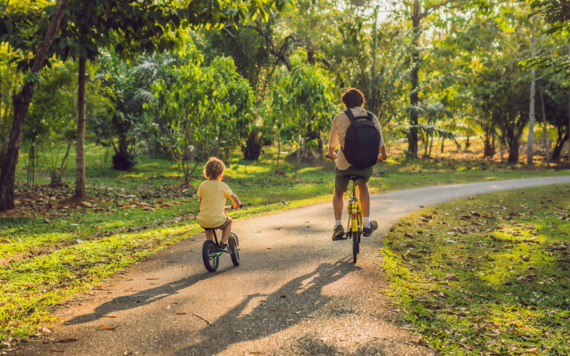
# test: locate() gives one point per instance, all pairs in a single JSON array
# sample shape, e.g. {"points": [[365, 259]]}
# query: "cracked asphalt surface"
{"points": [[295, 293]]}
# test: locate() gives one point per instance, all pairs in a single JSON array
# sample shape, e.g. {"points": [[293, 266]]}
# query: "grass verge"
{"points": [[487, 275], [30, 288]]}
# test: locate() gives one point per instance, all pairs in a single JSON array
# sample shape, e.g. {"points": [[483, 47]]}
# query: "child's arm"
{"points": [[235, 199]]}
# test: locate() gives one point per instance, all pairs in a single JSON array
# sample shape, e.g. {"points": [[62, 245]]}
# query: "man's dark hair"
{"points": [[352, 98]]}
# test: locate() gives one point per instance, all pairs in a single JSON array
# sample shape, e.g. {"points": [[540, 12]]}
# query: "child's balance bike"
{"points": [[211, 251]]}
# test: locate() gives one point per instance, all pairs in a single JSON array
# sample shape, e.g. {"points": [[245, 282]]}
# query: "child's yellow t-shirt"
{"points": [[213, 194]]}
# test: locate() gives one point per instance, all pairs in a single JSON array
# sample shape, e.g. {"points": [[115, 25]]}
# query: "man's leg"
{"points": [[364, 200], [369, 226], [338, 203]]}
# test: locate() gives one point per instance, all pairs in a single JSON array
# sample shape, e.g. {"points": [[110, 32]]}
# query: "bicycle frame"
{"points": [[354, 210], [219, 253]]}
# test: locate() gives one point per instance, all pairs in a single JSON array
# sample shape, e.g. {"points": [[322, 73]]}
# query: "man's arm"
{"points": [[333, 141], [382, 156]]}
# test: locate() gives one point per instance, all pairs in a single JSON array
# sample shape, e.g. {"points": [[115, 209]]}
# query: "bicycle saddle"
{"points": [[356, 177]]}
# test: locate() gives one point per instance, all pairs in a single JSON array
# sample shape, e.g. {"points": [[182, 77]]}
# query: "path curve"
{"points": [[296, 292]]}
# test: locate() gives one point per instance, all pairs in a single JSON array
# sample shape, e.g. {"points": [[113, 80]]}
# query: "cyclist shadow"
{"points": [[140, 299], [280, 310]]}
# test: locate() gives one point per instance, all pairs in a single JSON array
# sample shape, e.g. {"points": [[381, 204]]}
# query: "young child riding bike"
{"points": [[213, 194]]}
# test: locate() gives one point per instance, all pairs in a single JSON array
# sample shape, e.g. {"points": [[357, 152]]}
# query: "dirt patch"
{"points": [[280, 173], [184, 186], [307, 156]]}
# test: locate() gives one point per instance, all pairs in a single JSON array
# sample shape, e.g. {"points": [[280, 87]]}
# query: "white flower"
{"points": [[191, 148]]}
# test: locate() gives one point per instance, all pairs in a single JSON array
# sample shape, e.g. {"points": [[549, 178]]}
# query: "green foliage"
{"points": [[130, 27], [302, 101], [495, 285], [208, 107]]}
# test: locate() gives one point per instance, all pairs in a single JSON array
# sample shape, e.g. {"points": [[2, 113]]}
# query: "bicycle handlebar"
{"points": [[231, 207]]}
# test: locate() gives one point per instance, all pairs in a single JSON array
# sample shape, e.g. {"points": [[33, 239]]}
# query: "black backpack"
{"points": [[362, 141]]}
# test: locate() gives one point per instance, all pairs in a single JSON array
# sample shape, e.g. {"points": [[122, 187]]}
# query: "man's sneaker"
{"points": [[338, 233], [368, 231], [223, 247]]}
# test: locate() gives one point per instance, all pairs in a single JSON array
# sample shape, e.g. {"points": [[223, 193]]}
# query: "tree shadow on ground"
{"points": [[282, 309], [142, 298]]}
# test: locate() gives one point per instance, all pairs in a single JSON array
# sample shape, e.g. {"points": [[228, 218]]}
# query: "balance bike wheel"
{"points": [[211, 260], [233, 243]]}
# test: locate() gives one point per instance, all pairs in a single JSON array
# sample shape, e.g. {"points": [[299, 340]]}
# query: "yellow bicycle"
{"points": [[354, 210]]}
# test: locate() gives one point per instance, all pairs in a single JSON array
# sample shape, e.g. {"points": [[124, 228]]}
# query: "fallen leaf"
{"points": [[106, 327], [68, 339]]}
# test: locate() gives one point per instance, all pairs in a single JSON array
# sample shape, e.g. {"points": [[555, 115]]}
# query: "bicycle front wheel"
{"points": [[211, 259], [354, 246], [233, 242]]}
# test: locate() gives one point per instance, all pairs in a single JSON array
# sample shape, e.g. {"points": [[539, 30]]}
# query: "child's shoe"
{"points": [[223, 247]]}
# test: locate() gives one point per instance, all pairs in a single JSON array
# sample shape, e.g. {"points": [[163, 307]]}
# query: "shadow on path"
{"points": [[280, 310], [142, 298]]}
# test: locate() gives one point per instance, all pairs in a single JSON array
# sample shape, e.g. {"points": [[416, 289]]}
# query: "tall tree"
{"points": [[24, 97], [417, 16], [130, 27]]}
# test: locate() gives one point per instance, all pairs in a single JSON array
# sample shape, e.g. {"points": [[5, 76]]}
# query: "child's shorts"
{"points": [[221, 227]]}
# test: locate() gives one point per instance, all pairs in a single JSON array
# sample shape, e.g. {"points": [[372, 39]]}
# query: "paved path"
{"points": [[296, 292]]}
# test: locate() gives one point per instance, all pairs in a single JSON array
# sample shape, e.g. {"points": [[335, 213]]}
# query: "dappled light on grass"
{"points": [[487, 275]]}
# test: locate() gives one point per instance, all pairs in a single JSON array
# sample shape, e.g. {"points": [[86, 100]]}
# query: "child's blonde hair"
{"points": [[213, 168]]}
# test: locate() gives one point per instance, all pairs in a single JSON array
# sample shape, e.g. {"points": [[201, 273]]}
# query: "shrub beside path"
{"points": [[296, 292]]}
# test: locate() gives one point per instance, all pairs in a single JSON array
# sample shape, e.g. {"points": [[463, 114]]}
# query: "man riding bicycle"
{"points": [[361, 132]]}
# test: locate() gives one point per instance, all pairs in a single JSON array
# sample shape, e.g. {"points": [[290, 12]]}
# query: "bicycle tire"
{"points": [[211, 260], [233, 242], [354, 246]]}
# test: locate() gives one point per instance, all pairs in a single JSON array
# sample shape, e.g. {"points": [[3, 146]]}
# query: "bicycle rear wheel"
{"points": [[233, 242], [211, 259], [354, 246]]}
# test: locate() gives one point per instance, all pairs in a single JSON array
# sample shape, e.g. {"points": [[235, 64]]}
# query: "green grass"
{"points": [[32, 286], [488, 274]]}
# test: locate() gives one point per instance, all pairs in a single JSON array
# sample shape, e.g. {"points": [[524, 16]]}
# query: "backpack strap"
{"points": [[352, 119], [350, 115]]}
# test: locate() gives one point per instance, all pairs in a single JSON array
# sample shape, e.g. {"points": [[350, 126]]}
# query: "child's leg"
{"points": [[226, 232], [210, 235]]}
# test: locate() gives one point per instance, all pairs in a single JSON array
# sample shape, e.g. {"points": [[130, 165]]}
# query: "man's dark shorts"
{"points": [[342, 178]]}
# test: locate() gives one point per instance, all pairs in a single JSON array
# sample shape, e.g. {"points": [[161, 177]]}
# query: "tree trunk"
{"points": [[442, 144], [413, 138], [467, 143], [530, 142], [298, 157], [80, 138], [514, 144], [568, 46], [489, 144], [63, 163], [253, 144], [278, 151], [546, 142], [556, 152], [21, 104]]}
